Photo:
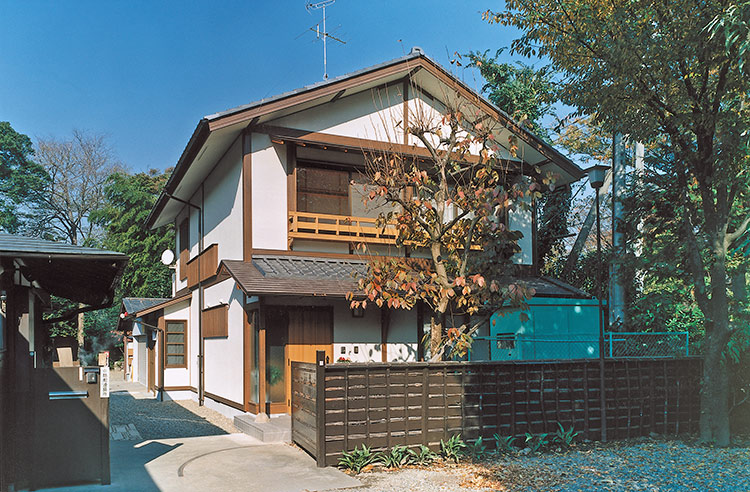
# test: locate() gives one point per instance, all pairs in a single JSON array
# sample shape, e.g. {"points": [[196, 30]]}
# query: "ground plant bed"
{"points": [[647, 464]]}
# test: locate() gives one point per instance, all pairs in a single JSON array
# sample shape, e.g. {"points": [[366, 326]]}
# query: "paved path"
{"points": [[180, 447]]}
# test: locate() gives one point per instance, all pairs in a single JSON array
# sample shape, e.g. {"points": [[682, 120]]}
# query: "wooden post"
{"points": [[104, 442], [262, 407], [320, 407]]}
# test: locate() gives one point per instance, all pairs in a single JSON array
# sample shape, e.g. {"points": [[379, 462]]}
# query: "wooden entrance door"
{"points": [[310, 330]]}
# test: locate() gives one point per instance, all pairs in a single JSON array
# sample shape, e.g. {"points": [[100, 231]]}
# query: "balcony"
{"points": [[315, 226]]}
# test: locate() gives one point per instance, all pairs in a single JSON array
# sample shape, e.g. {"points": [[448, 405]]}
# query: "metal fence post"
{"points": [[320, 407]]}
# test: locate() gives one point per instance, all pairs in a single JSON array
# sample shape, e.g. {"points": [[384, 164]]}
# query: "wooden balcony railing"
{"points": [[306, 225], [208, 265]]}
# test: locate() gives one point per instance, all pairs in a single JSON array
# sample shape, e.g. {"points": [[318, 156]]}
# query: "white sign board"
{"points": [[104, 382]]}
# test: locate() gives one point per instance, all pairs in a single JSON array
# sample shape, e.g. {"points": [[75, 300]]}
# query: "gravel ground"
{"points": [[162, 419], [648, 465]]}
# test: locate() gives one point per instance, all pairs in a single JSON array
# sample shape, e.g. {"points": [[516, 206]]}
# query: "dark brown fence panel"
{"points": [[383, 405], [304, 409]]}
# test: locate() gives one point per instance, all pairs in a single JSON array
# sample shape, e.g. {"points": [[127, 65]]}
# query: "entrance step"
{"points": [[277, 429]]}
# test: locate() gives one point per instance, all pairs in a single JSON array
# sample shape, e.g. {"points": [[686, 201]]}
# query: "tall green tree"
{"points": [[19, 177], [128, 201], [651, 70]]}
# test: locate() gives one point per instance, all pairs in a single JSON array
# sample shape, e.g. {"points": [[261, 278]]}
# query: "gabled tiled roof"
{"points": [[295, 275], [310, 267], [335, 277]]}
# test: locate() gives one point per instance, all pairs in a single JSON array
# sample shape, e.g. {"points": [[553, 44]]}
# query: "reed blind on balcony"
{"points": [[324, 191]]}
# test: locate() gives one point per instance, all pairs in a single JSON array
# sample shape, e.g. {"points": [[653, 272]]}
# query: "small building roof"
{"points": [[27, 247], [132, 305], [86, 275]]}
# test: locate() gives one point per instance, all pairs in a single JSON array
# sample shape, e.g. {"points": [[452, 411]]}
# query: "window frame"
{"points": [[165, 352]]}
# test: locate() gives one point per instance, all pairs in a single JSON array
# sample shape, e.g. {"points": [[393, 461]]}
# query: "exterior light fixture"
{"points": [[358, 312], [596, 175]]}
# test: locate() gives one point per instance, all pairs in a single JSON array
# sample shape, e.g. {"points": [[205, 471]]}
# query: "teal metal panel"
{"points": [[558, 328]]}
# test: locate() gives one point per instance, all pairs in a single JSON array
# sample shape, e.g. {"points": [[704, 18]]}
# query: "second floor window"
{"points": [[323, 191]]}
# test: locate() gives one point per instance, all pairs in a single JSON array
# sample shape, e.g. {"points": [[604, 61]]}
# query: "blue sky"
{"points": [[145, 72]]}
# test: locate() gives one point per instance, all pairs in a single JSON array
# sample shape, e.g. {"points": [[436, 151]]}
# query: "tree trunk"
{"points": [[714, 420], [436, 334]]}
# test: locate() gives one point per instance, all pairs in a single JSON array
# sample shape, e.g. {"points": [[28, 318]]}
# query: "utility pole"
{"points": [[616, 287]]}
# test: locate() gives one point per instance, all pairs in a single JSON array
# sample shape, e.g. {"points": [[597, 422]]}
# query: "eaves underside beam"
{"points": [[282, 135]]}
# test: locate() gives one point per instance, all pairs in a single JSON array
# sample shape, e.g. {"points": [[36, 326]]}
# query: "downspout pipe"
{"points": [[201, 385]]}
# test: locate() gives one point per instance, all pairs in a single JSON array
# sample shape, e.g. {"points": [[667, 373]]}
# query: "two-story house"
{"points": [[266, 201]]}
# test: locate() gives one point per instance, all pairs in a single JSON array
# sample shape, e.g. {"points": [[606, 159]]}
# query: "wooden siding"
{"points": [[199, 271], [382, 405], [215, 322]]}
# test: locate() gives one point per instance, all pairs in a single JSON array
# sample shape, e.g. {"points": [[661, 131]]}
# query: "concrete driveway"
{"points": [[230, 462]]}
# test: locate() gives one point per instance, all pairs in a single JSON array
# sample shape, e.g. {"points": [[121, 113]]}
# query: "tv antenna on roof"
{"points": [[324, 35]]}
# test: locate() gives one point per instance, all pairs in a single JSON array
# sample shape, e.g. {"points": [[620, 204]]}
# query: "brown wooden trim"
{"points": [[252, 407], [224, 401], [247, 196], [247, 354], [179, 388], [291, 177], [163, 332], [277, 408], [160, 342]]}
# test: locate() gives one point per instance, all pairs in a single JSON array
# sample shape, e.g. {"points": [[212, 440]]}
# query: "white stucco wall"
{"points": [[179, 284], [269, 186], [520, 219], [371, 114], [224, 355], [194, 340], [402, 335], [222, 205], [179, 376], [362, 334]]}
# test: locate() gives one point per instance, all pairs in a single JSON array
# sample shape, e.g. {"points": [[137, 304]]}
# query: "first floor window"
{"points": [[176, 343]]}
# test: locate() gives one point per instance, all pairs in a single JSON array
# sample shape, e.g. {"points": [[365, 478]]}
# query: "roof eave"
{"points": [[196, 142]]}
